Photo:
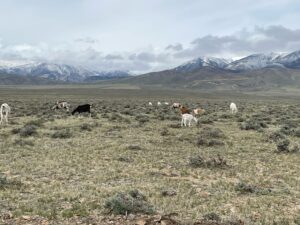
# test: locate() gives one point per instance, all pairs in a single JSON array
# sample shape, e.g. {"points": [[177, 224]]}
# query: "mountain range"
{"points": [[254, 72], [251, 62], [57, 72]]}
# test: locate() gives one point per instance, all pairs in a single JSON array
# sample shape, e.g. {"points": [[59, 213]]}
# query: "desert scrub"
{"points": [[142, 118], [212, 217], [9, 184], [205, 120], [253, 124], [199, 161], [77, 209], [210, 136], [288, 129], [165, 132], [26, 131], [244, 188], [36, 123], [116, 117], [130, 202], [22, 142], [86, 127], [134, 147], [283, 147], [64, 133], [211, 132], [276, 136]]}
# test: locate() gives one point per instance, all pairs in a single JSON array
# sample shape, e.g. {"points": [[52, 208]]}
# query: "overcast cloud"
{"points": [[142, 35]]}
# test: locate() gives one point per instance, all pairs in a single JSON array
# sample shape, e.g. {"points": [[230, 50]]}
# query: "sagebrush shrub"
{"points": [[130, 202]]}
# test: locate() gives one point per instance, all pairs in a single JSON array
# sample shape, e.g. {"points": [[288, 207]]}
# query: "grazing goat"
{"points": [[61, 105], [158, 103], [4, 111], [198, 111], [150, 104], [233, 108], [176, 105], [82, 109], [187, 119], [184, 110], [166, 103]]}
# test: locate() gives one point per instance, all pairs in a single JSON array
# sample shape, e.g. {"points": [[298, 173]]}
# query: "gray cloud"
{"points": [[175, 47], [87, 40], [113, 57], [238, 44], [258, 40]]}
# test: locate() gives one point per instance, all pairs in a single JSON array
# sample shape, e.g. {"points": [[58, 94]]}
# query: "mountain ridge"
{"points": [[58, 72]]}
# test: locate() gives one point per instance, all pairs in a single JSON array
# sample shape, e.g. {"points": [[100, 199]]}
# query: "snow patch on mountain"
{"points": [[203, 62], [59, 72]]}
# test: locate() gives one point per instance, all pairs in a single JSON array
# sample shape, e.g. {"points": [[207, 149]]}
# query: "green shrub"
{"points": [[76, 210], [36, 123], [204, 161], [130, 202], [283, 145], [253, 124], [64, 133], [86, 127], [23, 142], [276, 136], [245, 188], [26, 131], [5, 183]]}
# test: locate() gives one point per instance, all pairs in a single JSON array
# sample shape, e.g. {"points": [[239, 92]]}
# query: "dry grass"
{"points": [[71, 166]]}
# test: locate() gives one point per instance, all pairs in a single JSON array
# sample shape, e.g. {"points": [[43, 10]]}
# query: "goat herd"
{"points": [[187, 115]]}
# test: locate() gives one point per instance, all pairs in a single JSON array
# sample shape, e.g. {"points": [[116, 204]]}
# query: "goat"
{"points": [[233, 108], [61, 105], [82, 109], [184, 110], [158, 103], [186, 119], [198, 111], [176, 105], [4, 111], [150, 104]]}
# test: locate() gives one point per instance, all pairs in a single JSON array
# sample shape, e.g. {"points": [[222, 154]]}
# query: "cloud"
{"points": [[87, 40], [258, 40], [238, 44], [175, 47], [113, 57]]}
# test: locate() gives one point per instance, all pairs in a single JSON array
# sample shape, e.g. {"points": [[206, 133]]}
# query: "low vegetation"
{"points": [[131, 163]]}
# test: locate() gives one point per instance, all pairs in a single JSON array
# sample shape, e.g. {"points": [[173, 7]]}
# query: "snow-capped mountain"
{"points": [[203, 62], [291, 60], [255, 61], [248, 63], [57, 72]]}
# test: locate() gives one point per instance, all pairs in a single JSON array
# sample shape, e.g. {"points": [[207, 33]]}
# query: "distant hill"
{"points": [[9, 79]]}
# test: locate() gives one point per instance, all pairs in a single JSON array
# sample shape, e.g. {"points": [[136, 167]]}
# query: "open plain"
{"points": [[226, 169]]}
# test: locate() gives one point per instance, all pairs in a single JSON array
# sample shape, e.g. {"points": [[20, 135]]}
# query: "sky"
{"points": [[142, 35]]}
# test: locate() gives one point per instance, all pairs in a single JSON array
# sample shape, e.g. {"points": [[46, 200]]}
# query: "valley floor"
{"points": [[227, 169]]}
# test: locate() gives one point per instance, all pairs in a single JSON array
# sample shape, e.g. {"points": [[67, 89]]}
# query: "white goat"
{"points": [[61, 105], [150, 104], [176, 105], [233, 108], [158, 103], [187, 119], [4, 111], [166, 103]]}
